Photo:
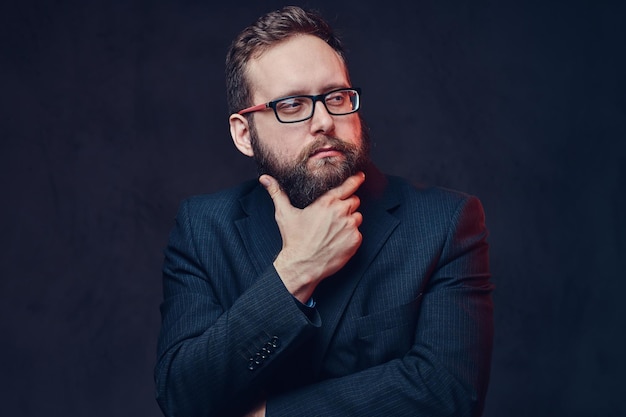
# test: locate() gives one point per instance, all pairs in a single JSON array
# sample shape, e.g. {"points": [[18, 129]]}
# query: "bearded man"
{"points": [[324, 288]]}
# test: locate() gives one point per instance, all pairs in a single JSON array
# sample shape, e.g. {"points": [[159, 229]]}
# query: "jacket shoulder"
{"points": [[220, 203], [426, 194]]}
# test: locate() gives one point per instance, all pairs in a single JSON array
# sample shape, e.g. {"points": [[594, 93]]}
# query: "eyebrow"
{"points": [[305, 93]]}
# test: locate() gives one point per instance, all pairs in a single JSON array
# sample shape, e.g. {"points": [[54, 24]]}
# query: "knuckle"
{"points": [[357, 238]]}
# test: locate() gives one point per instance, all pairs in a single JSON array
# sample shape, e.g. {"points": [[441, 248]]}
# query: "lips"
{"points": [[326, 151]]}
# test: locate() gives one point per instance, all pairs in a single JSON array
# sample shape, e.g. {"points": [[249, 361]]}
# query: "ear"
{"points": [[240, 132]]}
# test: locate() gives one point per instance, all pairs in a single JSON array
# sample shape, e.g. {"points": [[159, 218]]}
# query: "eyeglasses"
{"points": [[294, 109]]}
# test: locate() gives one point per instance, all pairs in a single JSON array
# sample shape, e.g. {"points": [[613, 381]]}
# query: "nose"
{"points": [[322, 121]]}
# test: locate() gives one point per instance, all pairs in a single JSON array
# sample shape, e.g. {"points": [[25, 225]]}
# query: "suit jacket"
{"points": [[405, 328]]}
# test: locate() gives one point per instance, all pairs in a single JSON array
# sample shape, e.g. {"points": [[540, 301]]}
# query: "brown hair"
{"points": [[268, 30]]}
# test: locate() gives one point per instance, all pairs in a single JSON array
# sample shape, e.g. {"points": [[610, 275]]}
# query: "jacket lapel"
{"points": [[259, 231]]}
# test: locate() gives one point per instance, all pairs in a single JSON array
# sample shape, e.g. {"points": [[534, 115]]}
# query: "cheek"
{"points": [[350, 131], [285, 149], [283, 145]]}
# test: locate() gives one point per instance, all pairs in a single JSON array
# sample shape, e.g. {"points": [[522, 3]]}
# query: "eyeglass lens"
{"points": [[294, 109]]}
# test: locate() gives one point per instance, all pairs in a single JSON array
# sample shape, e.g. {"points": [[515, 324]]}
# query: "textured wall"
{"points": [[112, 112]]}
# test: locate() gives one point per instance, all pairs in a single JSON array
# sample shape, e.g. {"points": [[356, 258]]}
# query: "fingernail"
{"points": [[265, 181]]}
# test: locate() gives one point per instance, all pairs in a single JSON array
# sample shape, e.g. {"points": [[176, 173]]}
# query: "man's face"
{"points": [[310, 157]]}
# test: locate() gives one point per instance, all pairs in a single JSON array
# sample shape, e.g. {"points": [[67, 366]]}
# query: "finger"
{"points": [[350, 185], [353, 203], [276, 193], [358, 218]]}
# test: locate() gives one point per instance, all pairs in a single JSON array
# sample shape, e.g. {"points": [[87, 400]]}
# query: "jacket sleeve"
{"points": [[446, 371], [214, 358]]}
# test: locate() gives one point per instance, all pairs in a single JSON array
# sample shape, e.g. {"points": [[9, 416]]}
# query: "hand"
{"points": [[319, 239]]}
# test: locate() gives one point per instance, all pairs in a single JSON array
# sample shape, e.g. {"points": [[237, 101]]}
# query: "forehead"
{"points": [[302, 64]]}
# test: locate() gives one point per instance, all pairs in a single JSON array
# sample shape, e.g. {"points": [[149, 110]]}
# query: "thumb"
{"points": [[273, 188]]}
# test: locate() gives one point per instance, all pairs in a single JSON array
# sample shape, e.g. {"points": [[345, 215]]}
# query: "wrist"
{"points": [[296, 278]]}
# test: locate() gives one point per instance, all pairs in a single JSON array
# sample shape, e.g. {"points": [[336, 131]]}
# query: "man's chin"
{"points": [[325, 163], [330, 170], [305, 187]]}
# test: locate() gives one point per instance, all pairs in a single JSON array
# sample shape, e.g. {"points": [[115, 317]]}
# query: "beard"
{"points": [[305, 180]]}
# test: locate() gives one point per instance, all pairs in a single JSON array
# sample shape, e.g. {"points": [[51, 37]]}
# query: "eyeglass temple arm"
{"points": [[254, 108]]}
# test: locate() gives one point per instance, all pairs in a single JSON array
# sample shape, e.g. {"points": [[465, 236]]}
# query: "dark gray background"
{"points": [[112, 112]]}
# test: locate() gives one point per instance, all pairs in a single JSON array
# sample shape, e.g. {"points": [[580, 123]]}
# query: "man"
{"points": [[329, 289]]}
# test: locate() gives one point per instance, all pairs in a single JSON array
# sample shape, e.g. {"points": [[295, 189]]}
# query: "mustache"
{"points": [[326, 142]]}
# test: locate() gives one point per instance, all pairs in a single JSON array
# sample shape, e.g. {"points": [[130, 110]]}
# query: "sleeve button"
{"points": [[274, 342]]}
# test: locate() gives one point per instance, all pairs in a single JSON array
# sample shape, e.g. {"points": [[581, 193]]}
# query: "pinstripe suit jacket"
{"points": [[405, 328]]}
